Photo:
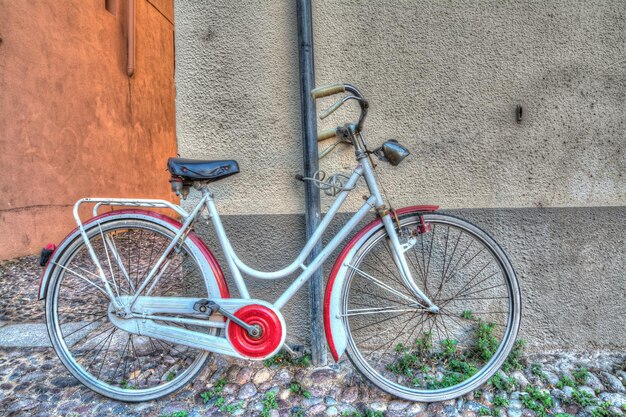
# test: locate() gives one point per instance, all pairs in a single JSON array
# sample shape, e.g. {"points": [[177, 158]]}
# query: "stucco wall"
{"points": [[444, 79], [72, 123]]}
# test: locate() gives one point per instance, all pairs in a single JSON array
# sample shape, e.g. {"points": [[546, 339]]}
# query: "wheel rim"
{"points": [[419, 355], [107, 359]]}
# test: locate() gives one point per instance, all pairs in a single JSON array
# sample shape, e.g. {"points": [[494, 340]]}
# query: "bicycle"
{"points": [[426, 305]]}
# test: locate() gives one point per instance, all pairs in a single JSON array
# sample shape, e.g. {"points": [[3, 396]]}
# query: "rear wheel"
{"points": [[107, 359], [420, 355]]}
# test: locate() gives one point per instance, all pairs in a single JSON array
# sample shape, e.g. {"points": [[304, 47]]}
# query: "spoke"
{"points": [[120, 264], [83, 278], [375, 310], [392, 275], [478, 298], [384, 286], [445, 272], [103, 342], [473, 278], [430, 249], [378, 297], [82, 327], [459, 260], [418, 268], [390, 342], [445, 255], [379, 321], [106, 251], [106, 353], [465, 292]]}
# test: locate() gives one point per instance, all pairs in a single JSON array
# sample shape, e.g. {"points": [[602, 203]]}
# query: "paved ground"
{"points": [[34, 383]]}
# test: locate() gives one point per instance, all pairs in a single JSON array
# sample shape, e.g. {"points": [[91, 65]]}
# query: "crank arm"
{"points": [[252, 330]]}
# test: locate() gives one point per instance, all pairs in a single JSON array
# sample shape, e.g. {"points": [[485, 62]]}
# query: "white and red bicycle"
{"points": [[426, 305]]}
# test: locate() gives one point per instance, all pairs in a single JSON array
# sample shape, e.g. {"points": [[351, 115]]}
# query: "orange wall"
{"points": [[72, 123]]}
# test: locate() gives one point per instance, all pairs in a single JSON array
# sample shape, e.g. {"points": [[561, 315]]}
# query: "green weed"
{"points": [[177, 414], [566, 381], [499, 401], [468, 315], [269, 404], [581, 375], [538, 401], [296, 388], [284, 358]]}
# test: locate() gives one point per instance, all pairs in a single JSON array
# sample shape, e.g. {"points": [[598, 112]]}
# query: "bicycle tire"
{"points": [[419, 370]]}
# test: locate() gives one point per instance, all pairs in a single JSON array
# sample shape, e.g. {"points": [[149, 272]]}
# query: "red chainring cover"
{"points": [[271, 331]]}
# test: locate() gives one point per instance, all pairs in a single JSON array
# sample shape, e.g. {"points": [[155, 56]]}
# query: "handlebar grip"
{"points": [[327, 90], [326, 134]]}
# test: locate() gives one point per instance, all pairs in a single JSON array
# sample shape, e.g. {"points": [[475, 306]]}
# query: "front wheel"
{"points": [[412, 352]]}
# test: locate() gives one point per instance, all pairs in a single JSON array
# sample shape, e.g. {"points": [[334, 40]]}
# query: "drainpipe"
{"points": [[311, 165], [130, 66]]}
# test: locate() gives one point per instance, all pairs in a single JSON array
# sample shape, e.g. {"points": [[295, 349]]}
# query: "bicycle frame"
{"points": [[237, 266]]}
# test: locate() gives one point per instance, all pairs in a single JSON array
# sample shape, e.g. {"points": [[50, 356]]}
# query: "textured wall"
{"points": [[444, 79], [72, 123]]}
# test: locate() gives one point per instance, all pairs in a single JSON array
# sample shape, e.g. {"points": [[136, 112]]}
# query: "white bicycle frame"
{"points": [[127, 305]]}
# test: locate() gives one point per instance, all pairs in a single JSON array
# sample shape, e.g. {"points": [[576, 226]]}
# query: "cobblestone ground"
{"points": [[33, 382], [19, 283]]}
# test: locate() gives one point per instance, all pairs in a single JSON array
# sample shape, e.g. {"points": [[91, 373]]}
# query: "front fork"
{"points": [[397, 252]]}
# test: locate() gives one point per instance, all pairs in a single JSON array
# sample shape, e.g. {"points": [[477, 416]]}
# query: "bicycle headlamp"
{"points": [[391, 151]]}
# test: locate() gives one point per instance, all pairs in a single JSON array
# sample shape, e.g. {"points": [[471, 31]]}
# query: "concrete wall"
{"points": [[72, 123], [444, 79]]}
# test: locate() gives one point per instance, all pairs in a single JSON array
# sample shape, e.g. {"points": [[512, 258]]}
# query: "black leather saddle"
{"points": [[198, 170]]}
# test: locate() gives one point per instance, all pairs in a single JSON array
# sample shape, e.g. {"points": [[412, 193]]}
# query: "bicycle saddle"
{"points": [[199, 170]]}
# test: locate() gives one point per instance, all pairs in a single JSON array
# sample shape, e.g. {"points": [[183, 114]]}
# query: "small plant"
{"points": [[486, 342], [177, 414], [284, 358], [566, 381], [503, 384], [536, 369], [603, 410], [478, 393], [513, 361], [484, 411], [583, 398], [468, 315], [499, 401], [170, 376], [372, 413], [581, 375], [296, 388], [125, 385], [538, 401], [448, 348], [269, 404], [214, 392], [563, 415], [424, 344]]}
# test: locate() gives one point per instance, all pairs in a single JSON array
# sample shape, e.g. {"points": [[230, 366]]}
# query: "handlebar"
{"points": [[326, 134], [327, 90]]}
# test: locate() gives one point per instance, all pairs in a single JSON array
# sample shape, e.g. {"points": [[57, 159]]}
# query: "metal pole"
{"points": [[311, 165]]}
